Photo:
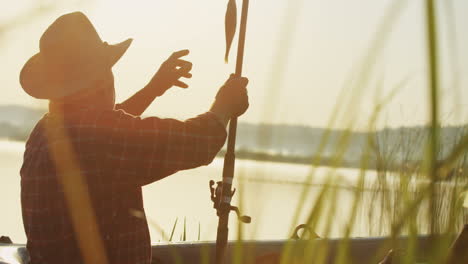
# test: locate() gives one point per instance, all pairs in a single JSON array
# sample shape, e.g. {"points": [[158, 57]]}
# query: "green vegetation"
{"points": [[410, 199]]}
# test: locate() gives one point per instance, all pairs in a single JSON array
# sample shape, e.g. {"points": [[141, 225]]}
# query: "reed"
{"points": [[415, 192]]}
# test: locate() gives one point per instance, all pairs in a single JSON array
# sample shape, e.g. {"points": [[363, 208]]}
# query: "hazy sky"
{"points": [[300, 56]]}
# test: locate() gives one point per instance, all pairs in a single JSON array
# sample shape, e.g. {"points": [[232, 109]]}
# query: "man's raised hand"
{"points": [[170, 72]]}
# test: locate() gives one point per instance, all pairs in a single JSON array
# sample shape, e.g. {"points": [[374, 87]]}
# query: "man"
{"points": [[88, 148]]}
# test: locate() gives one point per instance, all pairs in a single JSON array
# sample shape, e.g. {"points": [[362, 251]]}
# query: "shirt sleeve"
{"points": [[120, 107], [144, 150]]}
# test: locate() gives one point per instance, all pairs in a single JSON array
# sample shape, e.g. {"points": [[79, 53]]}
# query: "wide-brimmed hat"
{"points": [[72, 57]]}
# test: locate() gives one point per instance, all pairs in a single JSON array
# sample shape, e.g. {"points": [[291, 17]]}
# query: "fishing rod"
{"points": [[222, 194]]}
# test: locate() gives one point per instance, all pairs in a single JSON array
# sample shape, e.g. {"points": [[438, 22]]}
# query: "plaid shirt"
{"points": [[117, 154]]}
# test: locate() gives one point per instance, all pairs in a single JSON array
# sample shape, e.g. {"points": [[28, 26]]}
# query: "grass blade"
{"points": [[173, 230]]}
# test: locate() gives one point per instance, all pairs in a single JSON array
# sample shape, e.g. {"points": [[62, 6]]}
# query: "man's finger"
{"points": [[242, 81], [179, 54], [183, 64], [245, 91], [187, 75], [183, 72], [180, 84]]}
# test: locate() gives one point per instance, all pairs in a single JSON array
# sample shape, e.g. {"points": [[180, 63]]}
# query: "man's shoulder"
{"points": [[37, 134], [91, 118], [83, 120]]}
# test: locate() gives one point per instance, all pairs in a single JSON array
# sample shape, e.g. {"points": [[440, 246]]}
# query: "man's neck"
{"points": [[98, 98], [69, 107]]}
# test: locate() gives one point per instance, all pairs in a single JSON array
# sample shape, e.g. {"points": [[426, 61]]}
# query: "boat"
{"points": [[362, 250]]}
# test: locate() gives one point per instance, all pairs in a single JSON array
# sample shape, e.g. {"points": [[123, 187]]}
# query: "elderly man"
{"points": [[110, 147]]}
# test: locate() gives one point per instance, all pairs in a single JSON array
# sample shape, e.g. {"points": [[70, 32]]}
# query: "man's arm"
{"points": [[141, 151], [167, 76], [139, 102]]}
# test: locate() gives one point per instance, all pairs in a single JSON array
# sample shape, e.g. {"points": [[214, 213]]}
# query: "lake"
{"points": [[268, 192]]}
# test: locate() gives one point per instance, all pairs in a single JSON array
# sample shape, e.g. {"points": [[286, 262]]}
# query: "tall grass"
{"points": [[415, 192], [419, 181]]}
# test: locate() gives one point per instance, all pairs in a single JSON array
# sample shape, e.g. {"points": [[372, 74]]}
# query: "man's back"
{"points": [[116, 154]]}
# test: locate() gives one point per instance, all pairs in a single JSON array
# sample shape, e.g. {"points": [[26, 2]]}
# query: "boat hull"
{"points": [[362, 250]]}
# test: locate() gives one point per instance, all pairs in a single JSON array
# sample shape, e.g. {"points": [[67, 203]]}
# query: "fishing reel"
{"points": [[216, 198]]}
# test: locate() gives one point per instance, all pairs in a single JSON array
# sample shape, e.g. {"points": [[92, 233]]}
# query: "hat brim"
{"points": [[40, 80], [116, 51]]}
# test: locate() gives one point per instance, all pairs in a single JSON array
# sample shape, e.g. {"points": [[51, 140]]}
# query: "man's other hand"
{"points": [[170, 72], [232, 99]]}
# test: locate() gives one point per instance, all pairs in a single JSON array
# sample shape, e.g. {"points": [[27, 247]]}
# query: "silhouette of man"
{"points": [[114, 150]]}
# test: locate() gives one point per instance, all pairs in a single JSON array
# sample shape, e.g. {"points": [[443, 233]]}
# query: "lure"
{"points": [[230, 26]]}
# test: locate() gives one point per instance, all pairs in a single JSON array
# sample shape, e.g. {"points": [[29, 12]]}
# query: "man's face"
{"points": [[100, 94]]}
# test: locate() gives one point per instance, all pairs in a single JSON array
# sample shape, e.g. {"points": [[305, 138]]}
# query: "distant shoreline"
{"points": [[387, 149], [18, 145], [312, 161], [323, 161]]}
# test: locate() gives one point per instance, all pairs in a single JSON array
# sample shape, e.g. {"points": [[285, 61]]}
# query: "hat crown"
{"points": [[70, 37]]}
